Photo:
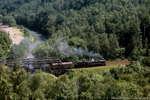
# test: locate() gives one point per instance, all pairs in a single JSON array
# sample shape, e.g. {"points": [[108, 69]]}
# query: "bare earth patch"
{"points": [[14, 34], [116, 63]]}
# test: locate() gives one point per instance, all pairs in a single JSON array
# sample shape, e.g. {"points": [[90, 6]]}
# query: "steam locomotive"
{"points": [[58, 65], [92, 63], [53, 64]]}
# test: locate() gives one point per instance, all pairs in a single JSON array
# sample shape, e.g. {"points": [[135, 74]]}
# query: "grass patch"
{"points": [[76, 73]]}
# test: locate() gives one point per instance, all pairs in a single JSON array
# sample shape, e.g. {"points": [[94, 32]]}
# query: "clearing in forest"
{"points": [[14, 34]]}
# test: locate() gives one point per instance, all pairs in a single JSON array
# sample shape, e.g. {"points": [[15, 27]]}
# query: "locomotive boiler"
{"points": [[92, 63]]}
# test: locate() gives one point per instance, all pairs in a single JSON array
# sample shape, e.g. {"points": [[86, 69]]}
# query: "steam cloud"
{"points": [[64, 47], [80, 52]]}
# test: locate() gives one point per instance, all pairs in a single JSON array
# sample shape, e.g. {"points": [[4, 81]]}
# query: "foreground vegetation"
{"points": [[131, 81]]}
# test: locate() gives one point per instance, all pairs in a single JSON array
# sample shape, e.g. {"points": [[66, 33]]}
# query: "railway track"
{"points": [[109, 64], [55, 65]]}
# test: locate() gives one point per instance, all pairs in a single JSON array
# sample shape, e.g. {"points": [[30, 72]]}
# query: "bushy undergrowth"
{"points": [[131, 81]]}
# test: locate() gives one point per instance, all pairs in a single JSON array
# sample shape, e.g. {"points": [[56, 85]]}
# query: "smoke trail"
{"points": [[32, 46], [64, 48], [82, 52]]}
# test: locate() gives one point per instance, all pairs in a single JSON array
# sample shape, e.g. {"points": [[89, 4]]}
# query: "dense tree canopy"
{"points": [[123, 81], [102, 26], [5, 43], [75, 30]]}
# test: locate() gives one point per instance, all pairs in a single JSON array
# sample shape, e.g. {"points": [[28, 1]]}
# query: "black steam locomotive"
{"points": [[92, 63]]}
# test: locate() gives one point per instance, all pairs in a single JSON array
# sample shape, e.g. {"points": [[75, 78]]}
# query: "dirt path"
{"points": [[116, 63], [15, 34]]}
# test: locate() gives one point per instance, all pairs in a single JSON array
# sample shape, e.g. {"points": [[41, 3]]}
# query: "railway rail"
{"points": [[52, 64]]}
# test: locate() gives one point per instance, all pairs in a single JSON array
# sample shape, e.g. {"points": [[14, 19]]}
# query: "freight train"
{"points": [[53, 64]]}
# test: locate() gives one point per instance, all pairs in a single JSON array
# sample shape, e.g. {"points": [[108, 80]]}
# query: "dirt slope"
{"points": [[14, 34]]}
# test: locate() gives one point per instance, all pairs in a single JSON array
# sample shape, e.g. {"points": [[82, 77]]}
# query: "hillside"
{"points": [[119, 28], [84, 32], [14, 34]]}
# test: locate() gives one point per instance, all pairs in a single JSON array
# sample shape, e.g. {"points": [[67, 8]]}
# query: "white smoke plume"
{"points": [[64, 48], [82, 52]]}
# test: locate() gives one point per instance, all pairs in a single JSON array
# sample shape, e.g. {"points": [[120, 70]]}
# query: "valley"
{"points": [[100, 49]]}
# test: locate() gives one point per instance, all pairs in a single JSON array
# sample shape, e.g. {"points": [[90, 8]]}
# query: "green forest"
{"points": [[86, 84], [112, 29]]}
